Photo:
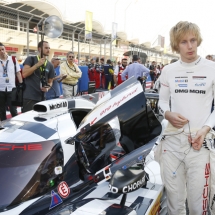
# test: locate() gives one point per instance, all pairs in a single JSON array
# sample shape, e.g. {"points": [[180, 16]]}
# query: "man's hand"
{"points": [[176, 119], [41, 62], [63, 76], [21, 86], [198, 140], [45, 89]]}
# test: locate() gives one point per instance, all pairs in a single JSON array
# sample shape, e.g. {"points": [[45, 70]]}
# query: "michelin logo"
{"points": [[200, 84], [182, 85]]}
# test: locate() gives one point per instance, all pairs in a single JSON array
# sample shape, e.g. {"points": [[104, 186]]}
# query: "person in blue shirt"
{"points": [[135, 69], [56, 89]]}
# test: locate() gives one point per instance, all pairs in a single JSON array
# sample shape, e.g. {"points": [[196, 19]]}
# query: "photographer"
{"points": [[38, 73]]}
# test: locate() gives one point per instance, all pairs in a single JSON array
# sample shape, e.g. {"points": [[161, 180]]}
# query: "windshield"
{"points": [[27, 170], [96, 146]]}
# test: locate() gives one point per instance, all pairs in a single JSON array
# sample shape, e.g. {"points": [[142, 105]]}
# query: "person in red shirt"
{"points": [[118, 72]]}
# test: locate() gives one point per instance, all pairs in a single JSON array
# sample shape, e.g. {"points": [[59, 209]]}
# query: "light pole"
{"points": [[125, 15], [115, 11]]}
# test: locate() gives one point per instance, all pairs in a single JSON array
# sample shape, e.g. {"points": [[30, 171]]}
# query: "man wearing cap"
{"points": [[135, 69]]}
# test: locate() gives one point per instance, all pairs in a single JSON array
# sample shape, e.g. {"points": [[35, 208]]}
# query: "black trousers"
{"points": [[5, 100], [28, 105]]}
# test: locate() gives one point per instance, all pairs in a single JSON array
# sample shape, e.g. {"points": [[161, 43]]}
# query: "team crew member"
{"points": [[91, 70], [118, 72], [152, 73], [102, 73], [190, 82], [72, 73], [108, 71], [97, 74], [38, 73], [135, 69], [7, 82]]}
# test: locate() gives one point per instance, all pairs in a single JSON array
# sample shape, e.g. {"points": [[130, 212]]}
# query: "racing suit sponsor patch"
{"points": [[190, 91], [206, 189]]}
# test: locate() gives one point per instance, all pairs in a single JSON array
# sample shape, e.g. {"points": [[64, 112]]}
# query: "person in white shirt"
{"points": [[7, 82], [190, 82]]}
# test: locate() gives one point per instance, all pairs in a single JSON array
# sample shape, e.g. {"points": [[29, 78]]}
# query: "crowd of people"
{"points": [[107, 76], [41, 79]]}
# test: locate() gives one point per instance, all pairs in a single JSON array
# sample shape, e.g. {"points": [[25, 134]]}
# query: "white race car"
{"points": [[88, 155]]}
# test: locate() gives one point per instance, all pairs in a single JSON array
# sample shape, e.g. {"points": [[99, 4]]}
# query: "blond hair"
{"points": [[181, 29]]}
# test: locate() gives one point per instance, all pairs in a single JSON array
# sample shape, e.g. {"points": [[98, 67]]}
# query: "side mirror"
{"points": [[126, 181]]}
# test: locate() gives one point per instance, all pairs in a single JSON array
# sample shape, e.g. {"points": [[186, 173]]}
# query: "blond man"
{"points": [[72, 73], [189, 82]]}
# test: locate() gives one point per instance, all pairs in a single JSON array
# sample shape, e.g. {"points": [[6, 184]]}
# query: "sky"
{"points": [[143, 20], [156, 17]]}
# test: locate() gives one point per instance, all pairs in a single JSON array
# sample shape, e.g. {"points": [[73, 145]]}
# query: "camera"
{"points": [[44, 82]]}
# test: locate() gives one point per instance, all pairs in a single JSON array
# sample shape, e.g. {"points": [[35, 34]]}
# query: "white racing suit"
{"points": [[185, 171], [209, 143]]}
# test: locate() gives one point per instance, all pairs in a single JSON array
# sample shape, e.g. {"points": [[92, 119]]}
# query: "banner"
{"points": [[88, 25], [114, 35]]}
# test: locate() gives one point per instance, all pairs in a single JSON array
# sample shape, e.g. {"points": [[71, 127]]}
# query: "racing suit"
{"points": [[97, 75], [91, 72], [118, 72], [191, 87]]}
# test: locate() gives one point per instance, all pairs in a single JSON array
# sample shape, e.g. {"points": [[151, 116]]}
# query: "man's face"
{"points": [[70, 58], [56, 63], [101, 61], [46, 49], [124, 63], [188, 48], [2, 51], [92, 62]]}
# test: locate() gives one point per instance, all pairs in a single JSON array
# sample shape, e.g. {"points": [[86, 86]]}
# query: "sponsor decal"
{"points": [[206, 189], [199, 77], [181, 85], [24, 147], [198, 61], [200, 84], [181, 91], [133, 186], [63, 189], [164, 85], [92, 122], [156, 207], [198, 91], [58, 105], [190, 91], [113, 189], [182, 77], [181, 81], [118, 103], [55, 200]]}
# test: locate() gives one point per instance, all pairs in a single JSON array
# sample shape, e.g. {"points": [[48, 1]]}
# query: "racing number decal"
{"points": [[63, 189]]}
